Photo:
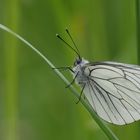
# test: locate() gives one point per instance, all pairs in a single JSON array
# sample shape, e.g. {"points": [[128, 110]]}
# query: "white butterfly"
{"points": [[111, 88]]}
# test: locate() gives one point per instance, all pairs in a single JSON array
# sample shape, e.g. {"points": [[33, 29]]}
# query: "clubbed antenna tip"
{"points": [[57, 35], [67, 30]]}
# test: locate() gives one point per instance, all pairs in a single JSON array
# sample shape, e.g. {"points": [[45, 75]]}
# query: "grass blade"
{"points": [[11, 18], [138, 28]]}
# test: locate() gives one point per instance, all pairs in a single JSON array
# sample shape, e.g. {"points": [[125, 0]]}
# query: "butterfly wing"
{"points": [[113, 90]]}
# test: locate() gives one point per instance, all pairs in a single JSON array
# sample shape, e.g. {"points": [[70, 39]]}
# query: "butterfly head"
{"points": [[78, 68], [77, 61], [80, 62]]}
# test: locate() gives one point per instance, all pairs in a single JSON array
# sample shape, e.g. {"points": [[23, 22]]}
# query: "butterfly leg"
{"points": [[81, 94], [70, 69], [64, 68], [72, 81]]}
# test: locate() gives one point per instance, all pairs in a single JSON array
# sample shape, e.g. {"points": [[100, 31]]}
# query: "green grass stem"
{"points": [[138, 28], [11, 18]]}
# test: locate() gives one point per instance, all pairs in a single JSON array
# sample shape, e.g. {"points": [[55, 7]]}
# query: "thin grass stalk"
{"points": [[11, 68], [138, 29], [101, 124]]}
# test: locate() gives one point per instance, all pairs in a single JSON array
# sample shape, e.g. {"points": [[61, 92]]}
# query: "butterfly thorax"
{"points": [[79, 71]]}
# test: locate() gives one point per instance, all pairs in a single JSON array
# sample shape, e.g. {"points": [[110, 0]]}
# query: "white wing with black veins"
{"points": [[113, 90]]}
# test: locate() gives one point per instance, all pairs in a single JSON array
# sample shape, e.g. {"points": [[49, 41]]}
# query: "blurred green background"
{"points": [[34, 104]]}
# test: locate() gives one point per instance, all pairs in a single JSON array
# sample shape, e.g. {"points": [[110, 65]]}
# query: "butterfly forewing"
{"points": [[113, 90]]}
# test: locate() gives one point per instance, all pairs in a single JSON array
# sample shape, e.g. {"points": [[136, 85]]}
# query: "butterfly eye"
{"points": [[77, 62]]}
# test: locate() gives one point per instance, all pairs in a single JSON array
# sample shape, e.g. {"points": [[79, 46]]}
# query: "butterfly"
{"points": [[111, 88]]}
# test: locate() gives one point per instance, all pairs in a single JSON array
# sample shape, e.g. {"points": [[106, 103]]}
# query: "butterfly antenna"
{"points": [[57, 35], [78, 52]]}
